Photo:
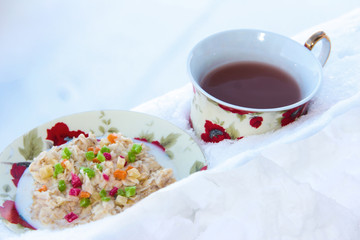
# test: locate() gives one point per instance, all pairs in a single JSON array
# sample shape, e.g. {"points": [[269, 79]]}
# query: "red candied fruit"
{"points": [[75, 180], [106, 177], [107, 155], [71, 217], [74, 192], [113, 191]]}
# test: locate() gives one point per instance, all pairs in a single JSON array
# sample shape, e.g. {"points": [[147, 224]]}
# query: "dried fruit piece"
{"points": [[46, 171], [106, 177], [75, 180], [112, 138], [43, 188], [121, 200], [61, 185], [84, 202], [71, 217], [120, 174], [133, 172], [74, 192], [84, 194], [113, 191], [107, 155]]}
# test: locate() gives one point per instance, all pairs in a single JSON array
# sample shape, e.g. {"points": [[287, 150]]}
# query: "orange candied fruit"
{"points": [[90, 149], [84, 194], [95, 160], [112, 138], [43, 188], [129, 167], [96, 150], [63, 163], [120, 174]]}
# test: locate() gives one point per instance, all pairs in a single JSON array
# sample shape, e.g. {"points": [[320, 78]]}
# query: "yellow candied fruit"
{"points": [[120, 162], [133, 172], [133, 180], [46, 171], [120, 200]]}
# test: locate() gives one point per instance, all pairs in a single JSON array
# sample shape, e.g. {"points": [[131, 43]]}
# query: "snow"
{"points": [[300, 182]]}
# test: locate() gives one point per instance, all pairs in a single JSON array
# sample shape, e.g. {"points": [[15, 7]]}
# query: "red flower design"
{"points": [[156, 143], [9, 212], [191, 123], [292, 114], [141, 139], [204, 168], [17, 171], [214, 133], [60, 133], [256, 122], [233, 110]]}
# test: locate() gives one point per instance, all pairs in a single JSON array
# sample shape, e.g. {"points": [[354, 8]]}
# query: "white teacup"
{"points": [[213, 119]]}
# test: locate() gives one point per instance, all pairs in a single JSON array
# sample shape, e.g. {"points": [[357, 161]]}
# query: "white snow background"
{"points": [[300, 182]]}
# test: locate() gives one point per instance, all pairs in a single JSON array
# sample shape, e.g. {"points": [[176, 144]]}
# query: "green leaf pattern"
{"points": [[33, 145], [219, 122], [146, 135], [6, 188], [106, 128], [233, 132], [170, 154], [242, 117], [170, 140], [196, 167]]}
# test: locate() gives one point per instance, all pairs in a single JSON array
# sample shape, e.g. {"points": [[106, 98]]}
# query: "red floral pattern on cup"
{"points": [[60, 133], [291, 115], [214, 133], [233, 110], [256, 122]]}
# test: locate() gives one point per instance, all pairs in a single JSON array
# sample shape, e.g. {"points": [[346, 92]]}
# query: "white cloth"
{"points": [[300, 182]]}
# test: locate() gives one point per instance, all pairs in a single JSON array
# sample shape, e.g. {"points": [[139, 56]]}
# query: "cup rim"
{"points": [[250, 109]]}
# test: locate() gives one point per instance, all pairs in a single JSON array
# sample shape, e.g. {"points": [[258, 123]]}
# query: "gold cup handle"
{"points": [[326, 45]]}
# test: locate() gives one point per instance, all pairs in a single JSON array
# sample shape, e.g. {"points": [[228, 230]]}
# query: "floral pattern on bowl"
{"points": [[182, 150]]}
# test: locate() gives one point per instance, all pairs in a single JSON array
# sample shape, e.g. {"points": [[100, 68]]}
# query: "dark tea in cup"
{"points": [[252, 84]]}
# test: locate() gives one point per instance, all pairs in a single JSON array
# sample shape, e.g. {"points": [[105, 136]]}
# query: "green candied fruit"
{"points": [[105, 149], [103, 196], [131, 157], [84, 202], [102, 193], [66, 153], [62, 185], [130, 191], [101, 157], [88, 171], [98, 166], [90, 155], [136, 148], [58, 169], [121, 192], [105, 199]]}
